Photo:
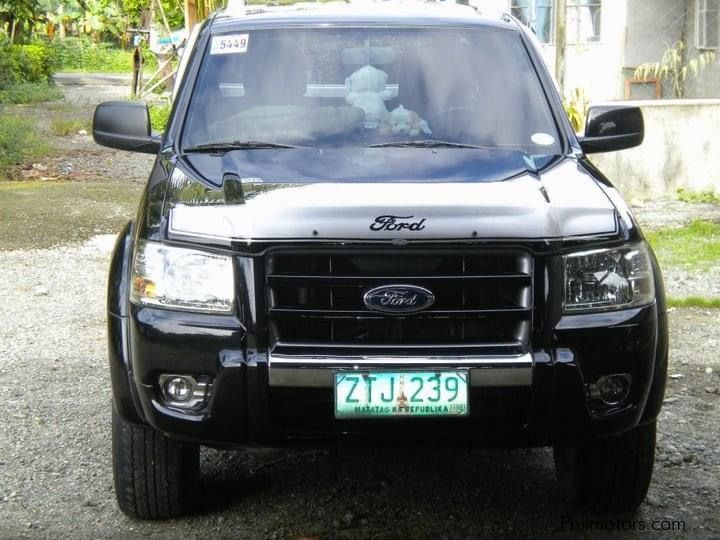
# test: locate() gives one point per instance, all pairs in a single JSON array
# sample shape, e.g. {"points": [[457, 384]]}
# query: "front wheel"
{"points": [[611, 474], [155, 477]]}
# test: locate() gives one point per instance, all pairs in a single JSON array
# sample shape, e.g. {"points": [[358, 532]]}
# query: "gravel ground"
{"points": [[672, 213], [55, 468], [77, 157]]}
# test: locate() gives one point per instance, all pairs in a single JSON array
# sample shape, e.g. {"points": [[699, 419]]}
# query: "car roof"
{"points": [[355, 13]]}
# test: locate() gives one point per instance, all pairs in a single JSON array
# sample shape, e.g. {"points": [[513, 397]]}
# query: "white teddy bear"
{"points": [[366, 90], [404, 122]]}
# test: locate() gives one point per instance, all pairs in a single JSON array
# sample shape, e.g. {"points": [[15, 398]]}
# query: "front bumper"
{"points": [[537, 398]]}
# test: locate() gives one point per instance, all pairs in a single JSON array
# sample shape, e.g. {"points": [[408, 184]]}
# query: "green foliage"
{"points": [[173, 11], [134, 8], [102, 19], [694, 301], [31, 63], [25, 71], [25, 93], [696, 245], [675, 68], [709, 196], [576, 108], [81, 54], [159, 116], [23, 12], [37, 61], [19, 142]]}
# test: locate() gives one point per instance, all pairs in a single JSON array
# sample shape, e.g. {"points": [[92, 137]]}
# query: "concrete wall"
{"points": [[651, 28], [681, 149]]}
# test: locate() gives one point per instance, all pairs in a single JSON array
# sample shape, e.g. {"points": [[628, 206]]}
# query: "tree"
{"points": [[173, 10], [18, 15]]}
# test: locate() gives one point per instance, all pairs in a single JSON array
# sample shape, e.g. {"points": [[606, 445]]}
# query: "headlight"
{"points": [[604, 279], [181, 278]]}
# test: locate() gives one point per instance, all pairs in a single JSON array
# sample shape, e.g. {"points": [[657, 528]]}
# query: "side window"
{"points": [[707, 23]]}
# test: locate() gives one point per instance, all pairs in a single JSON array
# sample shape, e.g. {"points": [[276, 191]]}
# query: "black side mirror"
{"points": [[125, 125], [612, 127]]}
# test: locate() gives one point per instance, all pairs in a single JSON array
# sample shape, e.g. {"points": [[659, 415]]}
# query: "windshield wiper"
{"points": [[236, 145], [425, 143]]}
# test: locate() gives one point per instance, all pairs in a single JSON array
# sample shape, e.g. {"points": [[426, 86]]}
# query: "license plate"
{"points": [[411, 393]]}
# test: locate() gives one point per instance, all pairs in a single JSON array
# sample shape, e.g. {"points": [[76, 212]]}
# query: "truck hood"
{"points": [[395, 195]]}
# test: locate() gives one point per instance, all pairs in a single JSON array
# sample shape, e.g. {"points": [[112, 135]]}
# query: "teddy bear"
{"points": [[365, 89], [404, 122]]}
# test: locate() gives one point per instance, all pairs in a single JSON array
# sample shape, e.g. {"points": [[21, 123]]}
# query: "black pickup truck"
{"points": [[378, 227]]}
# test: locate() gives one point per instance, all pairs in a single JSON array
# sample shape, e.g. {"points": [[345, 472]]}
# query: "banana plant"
{"points": [[101, 18], [673, 67]]}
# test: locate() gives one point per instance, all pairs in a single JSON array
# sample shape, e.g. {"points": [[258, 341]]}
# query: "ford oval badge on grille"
{"points": [[398, 299]]}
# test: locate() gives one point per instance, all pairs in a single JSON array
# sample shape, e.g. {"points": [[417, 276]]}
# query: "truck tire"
{"points": [[611, 474], [155, 477]]}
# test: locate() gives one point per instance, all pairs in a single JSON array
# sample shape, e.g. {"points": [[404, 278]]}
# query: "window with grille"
{"points": [[537, 14], [583, 20], [707, 24]]}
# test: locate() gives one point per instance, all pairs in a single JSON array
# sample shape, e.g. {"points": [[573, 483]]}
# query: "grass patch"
{"points": [[709, 196], [45, 214], [67, 126], [694, 301], [696, 245], [25, 93], [19, 143]]}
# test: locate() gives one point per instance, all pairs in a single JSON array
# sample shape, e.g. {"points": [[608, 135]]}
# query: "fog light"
{"points": [[183, 391], [611, 389], [178, 389]]}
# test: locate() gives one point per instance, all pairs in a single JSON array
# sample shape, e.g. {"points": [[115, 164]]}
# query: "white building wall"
{"points": [[594, 67], [597, 67]]}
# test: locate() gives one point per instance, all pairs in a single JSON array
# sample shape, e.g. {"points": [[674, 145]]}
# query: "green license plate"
{"points": [[411, 393]]}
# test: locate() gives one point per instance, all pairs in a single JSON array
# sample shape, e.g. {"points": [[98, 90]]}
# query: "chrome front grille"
{"points": [[483, 302]]}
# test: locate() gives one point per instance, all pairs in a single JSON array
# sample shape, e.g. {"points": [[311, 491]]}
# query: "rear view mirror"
{"points": [[612, 127], [125, 125]]}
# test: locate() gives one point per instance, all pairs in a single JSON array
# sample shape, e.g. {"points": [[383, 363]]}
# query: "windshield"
{"points": [[342, 87]]}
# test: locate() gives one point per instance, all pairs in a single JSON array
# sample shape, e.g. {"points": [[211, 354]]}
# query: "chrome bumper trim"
{"points": [[317, 372]]}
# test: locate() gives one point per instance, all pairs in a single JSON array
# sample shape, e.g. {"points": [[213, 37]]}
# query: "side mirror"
{"points": [[125, 125], [612, 127]]}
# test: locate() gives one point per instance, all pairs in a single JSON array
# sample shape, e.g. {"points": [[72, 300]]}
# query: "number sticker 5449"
{"points": [[228, 44]]}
